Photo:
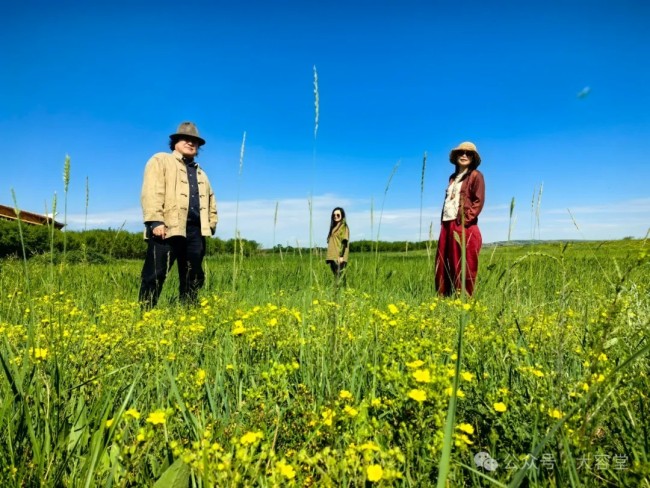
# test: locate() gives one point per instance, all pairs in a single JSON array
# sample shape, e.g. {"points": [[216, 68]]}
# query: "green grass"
{"points": [[271, 381]]}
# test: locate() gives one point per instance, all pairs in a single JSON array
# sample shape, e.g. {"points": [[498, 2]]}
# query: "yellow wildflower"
{"points": [[345, 395], [328, 416], [467, 376], [374, 472], [200, 377], [422, 376], [369, 446], [109, 422], [239, 328], [500, 407], [393, 309], [467, 428], [133, 413], [459, 393], [418, 395], [285, 469], [156, 418], [251, 437], [38, 353], [352, 412], [463, 438], [415, 364]]}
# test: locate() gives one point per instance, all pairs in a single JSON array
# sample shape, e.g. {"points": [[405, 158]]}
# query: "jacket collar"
{"points": [[179, 157]]}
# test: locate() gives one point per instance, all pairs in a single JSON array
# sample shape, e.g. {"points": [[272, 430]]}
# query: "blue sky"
{"points": [[107, 83]]}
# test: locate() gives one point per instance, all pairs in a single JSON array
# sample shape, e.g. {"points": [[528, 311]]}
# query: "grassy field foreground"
{"points": [[279, 378]]}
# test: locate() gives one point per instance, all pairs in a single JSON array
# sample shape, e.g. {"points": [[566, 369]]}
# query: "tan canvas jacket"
{"points": [[166, 195]]}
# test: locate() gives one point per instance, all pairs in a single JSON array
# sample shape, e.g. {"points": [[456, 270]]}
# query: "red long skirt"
{"points": [[448, 258]]}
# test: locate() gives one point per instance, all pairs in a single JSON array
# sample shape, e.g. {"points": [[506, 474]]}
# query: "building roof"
{"points": [[9, 213]]}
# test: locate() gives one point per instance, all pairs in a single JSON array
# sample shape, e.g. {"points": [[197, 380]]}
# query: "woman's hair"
{"points": [[174, 139], [333, 222]]}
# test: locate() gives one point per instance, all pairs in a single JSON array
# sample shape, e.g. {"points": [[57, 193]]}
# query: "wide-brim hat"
{"points": [[465, 146], [188, 129]]}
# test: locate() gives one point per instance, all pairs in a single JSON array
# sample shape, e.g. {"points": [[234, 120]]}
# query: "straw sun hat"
{"points": [[464, 146]]}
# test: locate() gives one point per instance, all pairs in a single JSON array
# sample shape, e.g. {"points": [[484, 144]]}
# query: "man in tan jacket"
{"points": [[179, 211]]}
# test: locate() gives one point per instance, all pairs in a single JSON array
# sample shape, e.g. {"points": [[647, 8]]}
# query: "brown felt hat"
{"points": [[188, 129], [464, 146]]}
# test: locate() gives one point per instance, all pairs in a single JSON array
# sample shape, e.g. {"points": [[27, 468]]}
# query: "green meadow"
{"points": [[282, 377]]}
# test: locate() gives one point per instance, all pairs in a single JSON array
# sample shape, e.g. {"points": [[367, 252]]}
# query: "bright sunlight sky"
{"points": [[554, 93]]}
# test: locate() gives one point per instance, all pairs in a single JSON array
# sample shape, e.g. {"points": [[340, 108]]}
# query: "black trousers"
{"points": [[161, 255], [337, 268]]}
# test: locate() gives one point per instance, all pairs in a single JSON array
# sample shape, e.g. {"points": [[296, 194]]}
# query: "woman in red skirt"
{"points": [[463, 203]]}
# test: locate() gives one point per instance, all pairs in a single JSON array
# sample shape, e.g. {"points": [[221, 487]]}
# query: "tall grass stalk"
{"points": [[275, 224], [66, 183], [51, 229], [237, 240], [17, 382], [430, 242], [372, 217], [575, 223], [313, 172], [424, 166], [86, 204], [22, 239], [381, 213], [316, 103], [532, 215], [538, 210], [447, 443], [510, 220], [383, 202]]}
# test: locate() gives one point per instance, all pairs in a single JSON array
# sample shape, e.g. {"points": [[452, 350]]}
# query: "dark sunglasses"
{"points": [[189, 139], [337, 214], [469, 154]]}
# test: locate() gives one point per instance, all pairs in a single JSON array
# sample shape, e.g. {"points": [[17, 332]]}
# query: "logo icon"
{"points": [[484, 460]]}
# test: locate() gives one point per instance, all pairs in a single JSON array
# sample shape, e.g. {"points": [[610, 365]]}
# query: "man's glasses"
{"points": [[190, 140]]}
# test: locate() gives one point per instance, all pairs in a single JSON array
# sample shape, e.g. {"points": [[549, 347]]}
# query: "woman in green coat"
{"points": [[338, 242]]}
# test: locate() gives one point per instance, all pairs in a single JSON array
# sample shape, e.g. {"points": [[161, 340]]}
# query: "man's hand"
{"points": [[159, 231]]}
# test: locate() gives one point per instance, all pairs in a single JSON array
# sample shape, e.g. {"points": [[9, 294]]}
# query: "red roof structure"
{"points": [[9, 213]]}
